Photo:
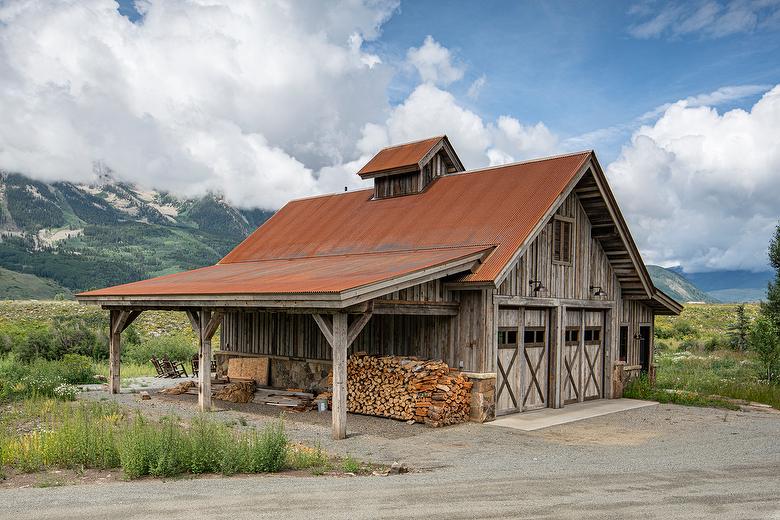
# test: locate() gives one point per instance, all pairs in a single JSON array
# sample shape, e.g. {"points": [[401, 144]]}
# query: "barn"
{"points": [[524, 276]]}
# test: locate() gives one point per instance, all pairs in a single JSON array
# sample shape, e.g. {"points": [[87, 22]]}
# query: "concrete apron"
{"points": [[538, 419]]}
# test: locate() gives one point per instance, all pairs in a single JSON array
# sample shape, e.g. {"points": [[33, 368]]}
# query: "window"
{"points": [[562, 237], [592, 335], [572, 336], [507, 338], [533, 336], [623, 343]]}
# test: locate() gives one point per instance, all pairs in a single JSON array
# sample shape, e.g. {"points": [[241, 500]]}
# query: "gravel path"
{"points": [[665, 462]]}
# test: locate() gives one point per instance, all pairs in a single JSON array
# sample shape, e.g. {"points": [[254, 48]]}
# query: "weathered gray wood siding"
{"points": [[459, 340], [589, 265]]}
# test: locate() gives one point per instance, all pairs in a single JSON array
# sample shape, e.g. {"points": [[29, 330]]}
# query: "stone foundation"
{"points": [[311, 376], [483, 392]]}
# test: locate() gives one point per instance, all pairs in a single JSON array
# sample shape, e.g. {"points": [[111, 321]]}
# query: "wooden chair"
{"points": [[174, 368], [161, 372], [195, 363]]}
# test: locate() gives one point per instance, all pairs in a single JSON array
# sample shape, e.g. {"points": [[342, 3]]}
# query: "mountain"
{"points": [[677, 286], [731, 286], [74, 237]]}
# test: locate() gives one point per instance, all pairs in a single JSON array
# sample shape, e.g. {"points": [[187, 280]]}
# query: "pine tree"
{"points": [[739, 330], [771, 308]]}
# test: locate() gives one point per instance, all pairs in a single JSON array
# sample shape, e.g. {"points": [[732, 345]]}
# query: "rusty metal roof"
{"points": [[318, 274], [497, 206], [399, 157]]}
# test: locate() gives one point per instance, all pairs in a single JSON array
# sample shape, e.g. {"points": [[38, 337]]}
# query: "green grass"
{"points": [[694, 357], [725, 373], [128, 370], [640, 388], [39, 434]]}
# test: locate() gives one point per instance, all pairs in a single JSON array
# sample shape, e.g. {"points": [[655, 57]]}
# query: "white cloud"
{"points": [[707, 18], [476, 87], [253, 100], [434, 63], [700, 189]]}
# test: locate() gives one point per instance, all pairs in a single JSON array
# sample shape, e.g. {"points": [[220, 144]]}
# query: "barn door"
{"points": [[535, 371], [508, 376], [593, 356]]}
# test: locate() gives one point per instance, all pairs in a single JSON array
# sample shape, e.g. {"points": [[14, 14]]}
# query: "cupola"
{"points": [[409, 168]]}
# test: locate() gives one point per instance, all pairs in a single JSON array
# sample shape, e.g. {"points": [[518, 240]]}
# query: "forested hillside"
{"points": [[77, 236]]}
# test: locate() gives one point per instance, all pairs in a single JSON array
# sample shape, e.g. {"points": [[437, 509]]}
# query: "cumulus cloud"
{"points": [[434, 63], [700, 188], [258, 101], [706, 18]]}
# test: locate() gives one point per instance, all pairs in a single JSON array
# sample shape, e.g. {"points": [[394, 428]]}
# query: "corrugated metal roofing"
{"points": [[321, 274], [492, 207], [401, 156]]}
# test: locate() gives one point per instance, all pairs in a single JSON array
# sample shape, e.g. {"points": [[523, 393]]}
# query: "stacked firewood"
{"points": [[407, 389]]}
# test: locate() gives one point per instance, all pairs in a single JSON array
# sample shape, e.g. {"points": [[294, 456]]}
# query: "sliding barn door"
{"points": [[536, 344]]}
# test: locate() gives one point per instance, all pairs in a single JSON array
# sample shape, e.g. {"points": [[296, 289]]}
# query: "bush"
{"points": [[43, 378], [175, 347], [682, 328], [269, 449]]}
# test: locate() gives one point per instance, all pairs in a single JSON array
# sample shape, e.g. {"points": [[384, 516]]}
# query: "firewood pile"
{"points": [[238, 392], [406, 389]]}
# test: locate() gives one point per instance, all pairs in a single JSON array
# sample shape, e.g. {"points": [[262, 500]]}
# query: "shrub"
{"points": [[682, 328], [175, 347], [269, 449]]}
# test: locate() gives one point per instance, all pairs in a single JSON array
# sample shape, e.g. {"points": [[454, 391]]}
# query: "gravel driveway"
{"points": [[664, 462]]}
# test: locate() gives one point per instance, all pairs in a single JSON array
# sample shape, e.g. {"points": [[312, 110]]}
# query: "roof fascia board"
{"points": [[443, 144], [622, 227], [391, 171], [296, 300], [543, 221]]}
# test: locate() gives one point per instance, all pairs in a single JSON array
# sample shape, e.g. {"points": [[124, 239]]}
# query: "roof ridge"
{"points": [[437, 248], [441, 136], [518, 163]]}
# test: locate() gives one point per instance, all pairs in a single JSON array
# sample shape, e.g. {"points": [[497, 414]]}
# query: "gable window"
{"points": [[562, 240]]}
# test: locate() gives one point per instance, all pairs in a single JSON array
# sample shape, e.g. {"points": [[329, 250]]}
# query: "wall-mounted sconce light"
{"points": [[598, 290], [637, 336], [537, 285]]}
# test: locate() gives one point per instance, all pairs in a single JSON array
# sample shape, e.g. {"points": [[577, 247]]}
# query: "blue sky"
{"points": [[267, 101], [574, 65]]}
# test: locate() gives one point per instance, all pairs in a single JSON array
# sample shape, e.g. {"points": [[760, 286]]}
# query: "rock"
{"points": [[397, 468], [145, 396]]}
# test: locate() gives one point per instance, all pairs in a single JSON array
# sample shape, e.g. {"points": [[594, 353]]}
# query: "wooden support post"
{"points": [[115, 350], [340, 336], [119, 320], [205, 324], [340, 346], [204, 364]]}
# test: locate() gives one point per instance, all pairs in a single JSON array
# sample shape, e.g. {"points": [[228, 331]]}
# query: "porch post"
{"points": [[114, 351], [204, 363], [340, 346]]}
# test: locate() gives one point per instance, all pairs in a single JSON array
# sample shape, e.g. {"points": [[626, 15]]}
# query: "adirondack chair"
{"points": [[195, 363], [161, 372], [174, 368]]}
